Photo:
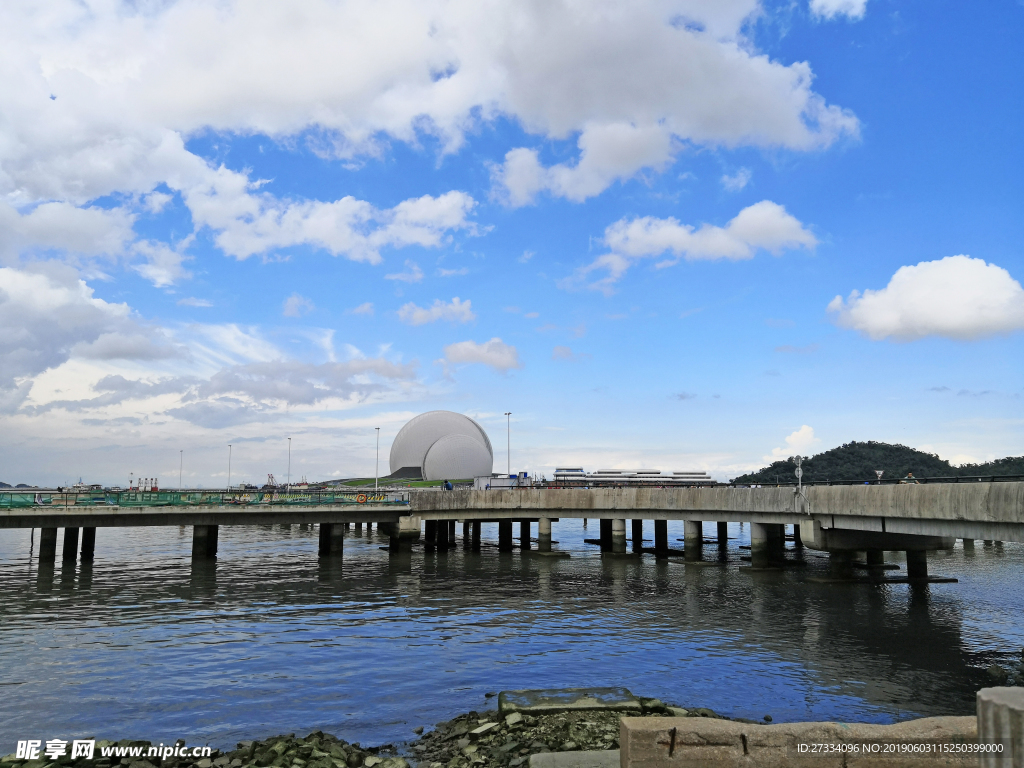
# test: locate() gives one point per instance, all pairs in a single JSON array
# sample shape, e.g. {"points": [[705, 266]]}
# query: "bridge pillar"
{"points": [[332, 539], [47, 545], [467, 542], [430, 535], [661, 538], [693, 540], [524, 534], [204, 541], [759, 547], [451, 533], [606, 535], [359, 529], [88, 544], [638, 536], [442, 539], [404, 534], [618, 536], [917, 564], [544, 534], [723, 535], [70, 553], [875, 558], [776, 541], [504, 535], [476, 535], [968, 545], [798, 541]]}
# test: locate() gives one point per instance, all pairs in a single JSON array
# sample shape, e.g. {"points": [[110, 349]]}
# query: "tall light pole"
{"points": [[289, 465], [181, 463], [229, 466], [376, 462], [508, 442]]}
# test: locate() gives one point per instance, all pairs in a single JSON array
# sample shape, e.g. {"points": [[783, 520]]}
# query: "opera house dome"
{"points": [[441, 445]]}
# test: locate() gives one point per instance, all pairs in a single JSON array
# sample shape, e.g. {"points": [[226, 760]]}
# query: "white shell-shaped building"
{"points": [[442, 445]]}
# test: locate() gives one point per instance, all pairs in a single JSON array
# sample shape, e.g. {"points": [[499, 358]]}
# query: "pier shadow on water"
{"points": [[267, 638]]}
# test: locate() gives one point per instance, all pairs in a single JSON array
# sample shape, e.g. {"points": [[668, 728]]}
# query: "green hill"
{"points": [[858, 461]]}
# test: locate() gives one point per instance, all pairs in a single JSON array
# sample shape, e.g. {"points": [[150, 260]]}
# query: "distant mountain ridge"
{"points": [[859, 460]]}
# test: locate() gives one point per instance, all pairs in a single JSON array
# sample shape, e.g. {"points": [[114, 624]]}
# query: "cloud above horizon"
{"points": [[957, 297]]}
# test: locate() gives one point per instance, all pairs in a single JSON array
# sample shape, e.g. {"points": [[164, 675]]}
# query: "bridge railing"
{"points": [[194, 498]]}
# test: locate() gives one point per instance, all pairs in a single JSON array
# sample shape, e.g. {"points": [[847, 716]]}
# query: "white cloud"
{"points": [[48, 314], [191, 301], [761, 226], [363, 309], [163, 265], [62, 226], [737, 181], [412, 274], [494, 353], [456, 311], [132, 82], [453, 272], [566, 353], [956, 297], [799, 443], [829, 9], [297, 306]]}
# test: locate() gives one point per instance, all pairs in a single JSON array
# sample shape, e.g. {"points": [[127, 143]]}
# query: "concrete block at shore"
{"points": [[544, 702], [689, 742], [604, 758]]}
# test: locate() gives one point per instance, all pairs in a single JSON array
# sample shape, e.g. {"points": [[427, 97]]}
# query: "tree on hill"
{"points": [[858, 461]]}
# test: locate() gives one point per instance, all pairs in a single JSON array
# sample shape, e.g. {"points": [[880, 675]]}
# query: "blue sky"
{"points": [[676, 235]]}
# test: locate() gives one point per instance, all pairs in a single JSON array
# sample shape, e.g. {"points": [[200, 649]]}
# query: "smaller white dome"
{"points": [[456, 457]]}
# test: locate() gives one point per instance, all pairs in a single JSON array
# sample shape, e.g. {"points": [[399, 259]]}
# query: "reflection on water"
{"points": [[267, 639]]}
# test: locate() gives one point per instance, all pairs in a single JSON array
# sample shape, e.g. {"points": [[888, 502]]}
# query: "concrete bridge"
{"points": [[842, 519]]}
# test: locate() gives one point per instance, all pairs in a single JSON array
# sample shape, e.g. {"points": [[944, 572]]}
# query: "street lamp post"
{"points": [[229, 466], [508, 442], [376, 462], [181, 463]]}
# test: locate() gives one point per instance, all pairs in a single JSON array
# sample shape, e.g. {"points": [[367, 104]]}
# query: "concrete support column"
{"points": [[723, 535], [693, 539], [359, 529], [638, 536], [661, 538], [88, 544], [875, 557], [451, 533], [759, 552], [1001, 721], [524, 534], [476, 535], [404, 534], [47, 545], [606, 535], [917, 564], [544, 534], [369, 528], [840, 564], [441, 539], [204, 541], [968, 545], [776, 541], [466, 540], [326, 539], [619, 536], [430, 535], [70, 553], [798, 540], [504, 535]]}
